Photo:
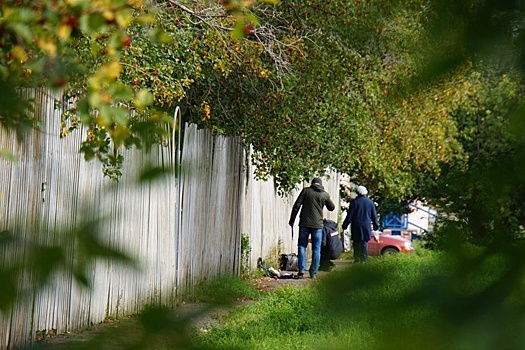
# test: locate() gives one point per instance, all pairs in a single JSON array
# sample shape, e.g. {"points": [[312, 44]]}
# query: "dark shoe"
{"points": [[299, 276]]}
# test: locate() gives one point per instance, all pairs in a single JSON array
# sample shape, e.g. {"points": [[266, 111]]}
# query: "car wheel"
{"points": [[389, 250]]}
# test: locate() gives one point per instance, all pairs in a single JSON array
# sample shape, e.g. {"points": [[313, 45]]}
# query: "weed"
{"points": [[246, 249]]}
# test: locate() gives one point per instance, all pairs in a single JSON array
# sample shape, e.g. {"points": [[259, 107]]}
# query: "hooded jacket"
{"points": [[311, 202]]}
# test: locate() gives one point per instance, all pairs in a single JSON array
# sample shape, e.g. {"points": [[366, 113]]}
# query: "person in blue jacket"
{"points": [[361, 216]]}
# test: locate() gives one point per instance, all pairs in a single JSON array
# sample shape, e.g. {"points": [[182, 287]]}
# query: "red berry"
{"points": [[126, 42], [248, 29]]}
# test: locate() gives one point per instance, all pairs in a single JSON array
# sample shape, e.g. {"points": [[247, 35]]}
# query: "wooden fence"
{"points": [[180, 229]]}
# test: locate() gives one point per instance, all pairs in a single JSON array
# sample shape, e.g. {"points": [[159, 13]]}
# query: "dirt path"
{"points": [[200, 316]]}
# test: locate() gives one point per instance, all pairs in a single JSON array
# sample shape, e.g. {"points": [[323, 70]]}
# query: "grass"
{"points": [[404, 301], [425, 300], [224, 290], [345, 310]]}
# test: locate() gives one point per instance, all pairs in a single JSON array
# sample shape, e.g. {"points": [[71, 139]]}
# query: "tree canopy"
{"points": [[311, 86]]}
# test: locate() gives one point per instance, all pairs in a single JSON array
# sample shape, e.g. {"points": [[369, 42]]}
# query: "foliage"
{"points": [[124, 64], [246, 249], [38, 45], [309, 87], [376, 99], [350, 110], [481, 202], [339, 107], [162, 59]]}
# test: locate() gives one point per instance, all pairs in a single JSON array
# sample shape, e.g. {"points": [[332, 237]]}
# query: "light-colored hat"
{"points": [[362, 190]]}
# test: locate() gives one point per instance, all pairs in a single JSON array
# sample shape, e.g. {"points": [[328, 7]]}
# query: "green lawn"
{"points": [[416, 301]]}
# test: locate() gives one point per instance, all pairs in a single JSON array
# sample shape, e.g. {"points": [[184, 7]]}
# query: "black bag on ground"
{"points": [[288, 262]]}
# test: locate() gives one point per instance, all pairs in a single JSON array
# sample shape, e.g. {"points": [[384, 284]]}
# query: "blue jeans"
{"points": [[317, 236], [360, 251]]}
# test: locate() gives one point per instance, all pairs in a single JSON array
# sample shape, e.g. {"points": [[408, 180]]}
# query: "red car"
{"points": [[389, 244]]}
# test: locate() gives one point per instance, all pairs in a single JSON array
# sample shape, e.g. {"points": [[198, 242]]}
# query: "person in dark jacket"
{"points": [[361, 216], [311, 202]]}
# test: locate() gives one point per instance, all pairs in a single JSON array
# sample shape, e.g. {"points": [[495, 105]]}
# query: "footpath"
{"points": [[193, 315]]}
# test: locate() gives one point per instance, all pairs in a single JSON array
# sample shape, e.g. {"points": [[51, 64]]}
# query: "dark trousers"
{"points": [[360, 251]]}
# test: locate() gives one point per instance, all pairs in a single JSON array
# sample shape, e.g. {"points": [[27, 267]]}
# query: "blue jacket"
{"points": [[362, 215]]}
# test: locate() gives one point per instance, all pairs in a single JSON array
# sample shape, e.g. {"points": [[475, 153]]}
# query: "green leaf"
{"points": [[122, 92], [84, 111], [158, 35], [92, 23], [120, 116], [151, 174], [37, 65], [23, 30], [251, 18], [96, 48], [146, 19], [238, 30], [143, 99], [124, 17]]}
